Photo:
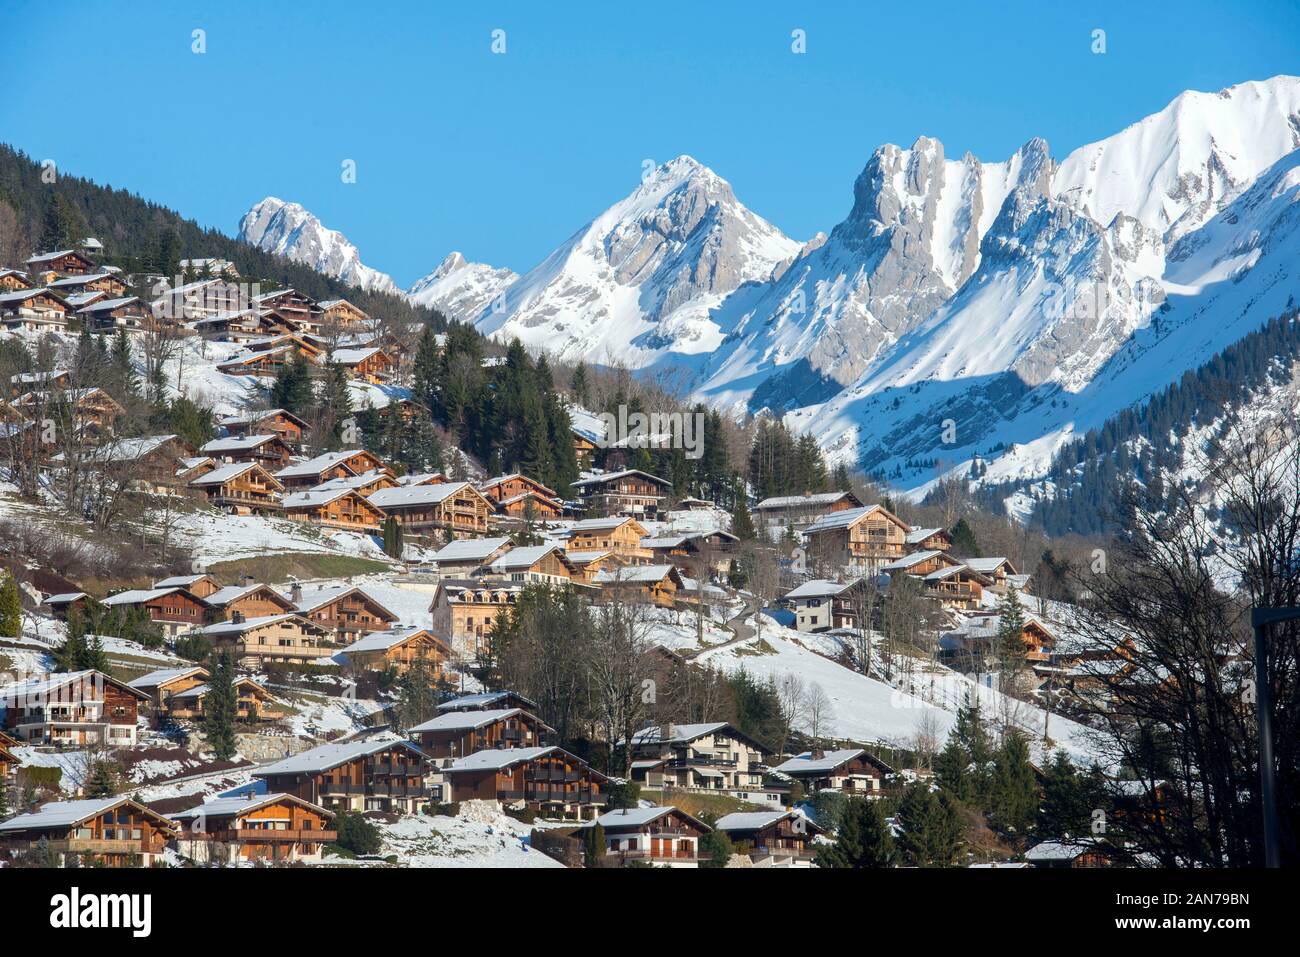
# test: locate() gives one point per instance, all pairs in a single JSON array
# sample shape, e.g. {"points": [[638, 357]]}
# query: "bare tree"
{"points": [[818, 712]]}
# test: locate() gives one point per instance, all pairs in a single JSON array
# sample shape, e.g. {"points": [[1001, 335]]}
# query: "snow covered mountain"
{"points": [[289, 230], [461, 290], [637, 283]]}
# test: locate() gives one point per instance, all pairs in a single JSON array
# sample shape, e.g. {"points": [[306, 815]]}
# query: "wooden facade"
{"points": [[269, 450], [278, 421], [331, 465], [175, 609], [243, 488], [549, 780], [622, 536], [447, 510], [344, 613], [73, 709], [269, 828], [397, 650], [869, 537], [659, 836], [772, 837], [105, 832], [455, 734], [365, 776], [340, 508], [630, 492], [287, 638]]}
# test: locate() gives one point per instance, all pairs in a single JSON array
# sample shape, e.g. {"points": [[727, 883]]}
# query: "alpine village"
{"points": [[294, 574]]}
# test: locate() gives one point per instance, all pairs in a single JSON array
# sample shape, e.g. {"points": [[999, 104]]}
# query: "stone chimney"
{"points": [[295, 593], [666, 733], [247, 581], [818, 754], [237, 618]]}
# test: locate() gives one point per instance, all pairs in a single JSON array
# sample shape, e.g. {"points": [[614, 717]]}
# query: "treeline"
{"points": [[142, 236], [1145, 444]]}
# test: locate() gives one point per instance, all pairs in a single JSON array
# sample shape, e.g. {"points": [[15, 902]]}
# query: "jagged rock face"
{"points": [[289, 230], [461, 290], [638, 281]]}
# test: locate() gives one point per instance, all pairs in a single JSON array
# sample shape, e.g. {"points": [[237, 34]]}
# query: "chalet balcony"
{"points": [[701, 763], [662, 856], [392, 767], [263, 834], [88, 845]]}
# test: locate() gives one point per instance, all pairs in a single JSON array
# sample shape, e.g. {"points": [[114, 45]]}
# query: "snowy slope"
{"points": [[287, 229], [461, 290], [637, 282]]}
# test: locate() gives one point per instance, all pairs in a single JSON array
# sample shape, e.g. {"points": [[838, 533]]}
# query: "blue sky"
{"points": [[504, 156]]}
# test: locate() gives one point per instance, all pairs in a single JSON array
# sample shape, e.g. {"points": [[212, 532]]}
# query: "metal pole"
{"points": [[1264, 711]]}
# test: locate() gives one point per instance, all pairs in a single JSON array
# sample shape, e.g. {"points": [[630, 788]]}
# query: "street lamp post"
{"points": [[1260, 619]]}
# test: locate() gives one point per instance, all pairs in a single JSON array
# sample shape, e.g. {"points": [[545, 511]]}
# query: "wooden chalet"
{"points": [[544, 564], [333, 507], [62, 262], [869, 538], [463, 557], [152, 460], [345, 612], [194, 302], [75, 709], [297, 308], [250, 599], [330, 465], [710, 553], [489, 701], [244, 488], [975, 639], [106, 282], [959, 587], [519, 496], [629, 492], [466, 608], [1000, 571], [397, 649], [267, 450], [1084, 852], [201, 584], [110, 316], [588, 565], [659, 585], [928, 540], [659, 836], [851, 770], [622, 536], [448, 510], [822, 605], [62, 603], [800, 511], [104, 832], [92, 410], [584, 449], [712, 756], [370, 364], [549, 780], [194, 466], [161, 684], [13, 280], [253, 703], [772, 838], [263, 362], [342, 314], [289, 638], [8, 760], [286, 425], [356, 776], [365, 484], [262, 827], [175, 609], [454, 734]]}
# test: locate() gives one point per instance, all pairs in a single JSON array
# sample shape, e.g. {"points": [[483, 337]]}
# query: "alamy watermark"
{"points": [[654, 430]]}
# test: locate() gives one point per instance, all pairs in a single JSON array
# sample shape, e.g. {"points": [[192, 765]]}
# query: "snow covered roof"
{"points": [[751, 820], [328, 756], [818, 588], [135, 596], [312, 600], [251, 417], [635, 573], [235, 806], [43, 685], [315, 497], [907, 561], [586, 557], [1061, 850], [469, 549], [67, 814], [224, 596], [238, 443], [248, 624], [473, 701], [466, 720], [315, 466], [350, 357], [66, 598], [599, 524], [525, 557], [181, 581], [673, 541], [224, 474], [794, 501], [635, 818], [600, 478], [134, 449], [918, 534], [806, 764], [987, 566], [495, 760], [383, 640], [841, 519], [682, 733], [164, 676], [415, 494]]}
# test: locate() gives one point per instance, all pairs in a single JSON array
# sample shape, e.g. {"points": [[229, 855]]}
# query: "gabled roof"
{"points": [[806, 764], [62, 814], [987, 566], [917, 534], [601, 524], [232, 593], [65, 598], [392, 638], [851, 516], [316, 466], [238, 443], [252, 417], [182, 581], [907, 561], [36, 688], [235, 806], [686, 733], [137, 596], [635, 818], [516, 476], [819, 588], [222, 628], [468, 720], [745, 821], [320, 597], [328, 756], [401, 496], [316, 497], [164, 676], [638, 574], [526, 557], [814, 500], [470, 549], [228, 473], [470, 702]]}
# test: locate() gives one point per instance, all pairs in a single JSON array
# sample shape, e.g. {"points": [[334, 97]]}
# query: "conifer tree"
{"points": [[103, 780], [1013, 797], [742, 524], [963, 540], [11, 609], [863, 839], [220, 707], [930, 828], [393, 535], [579, 384], [1009, 644], [593, 844]]}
